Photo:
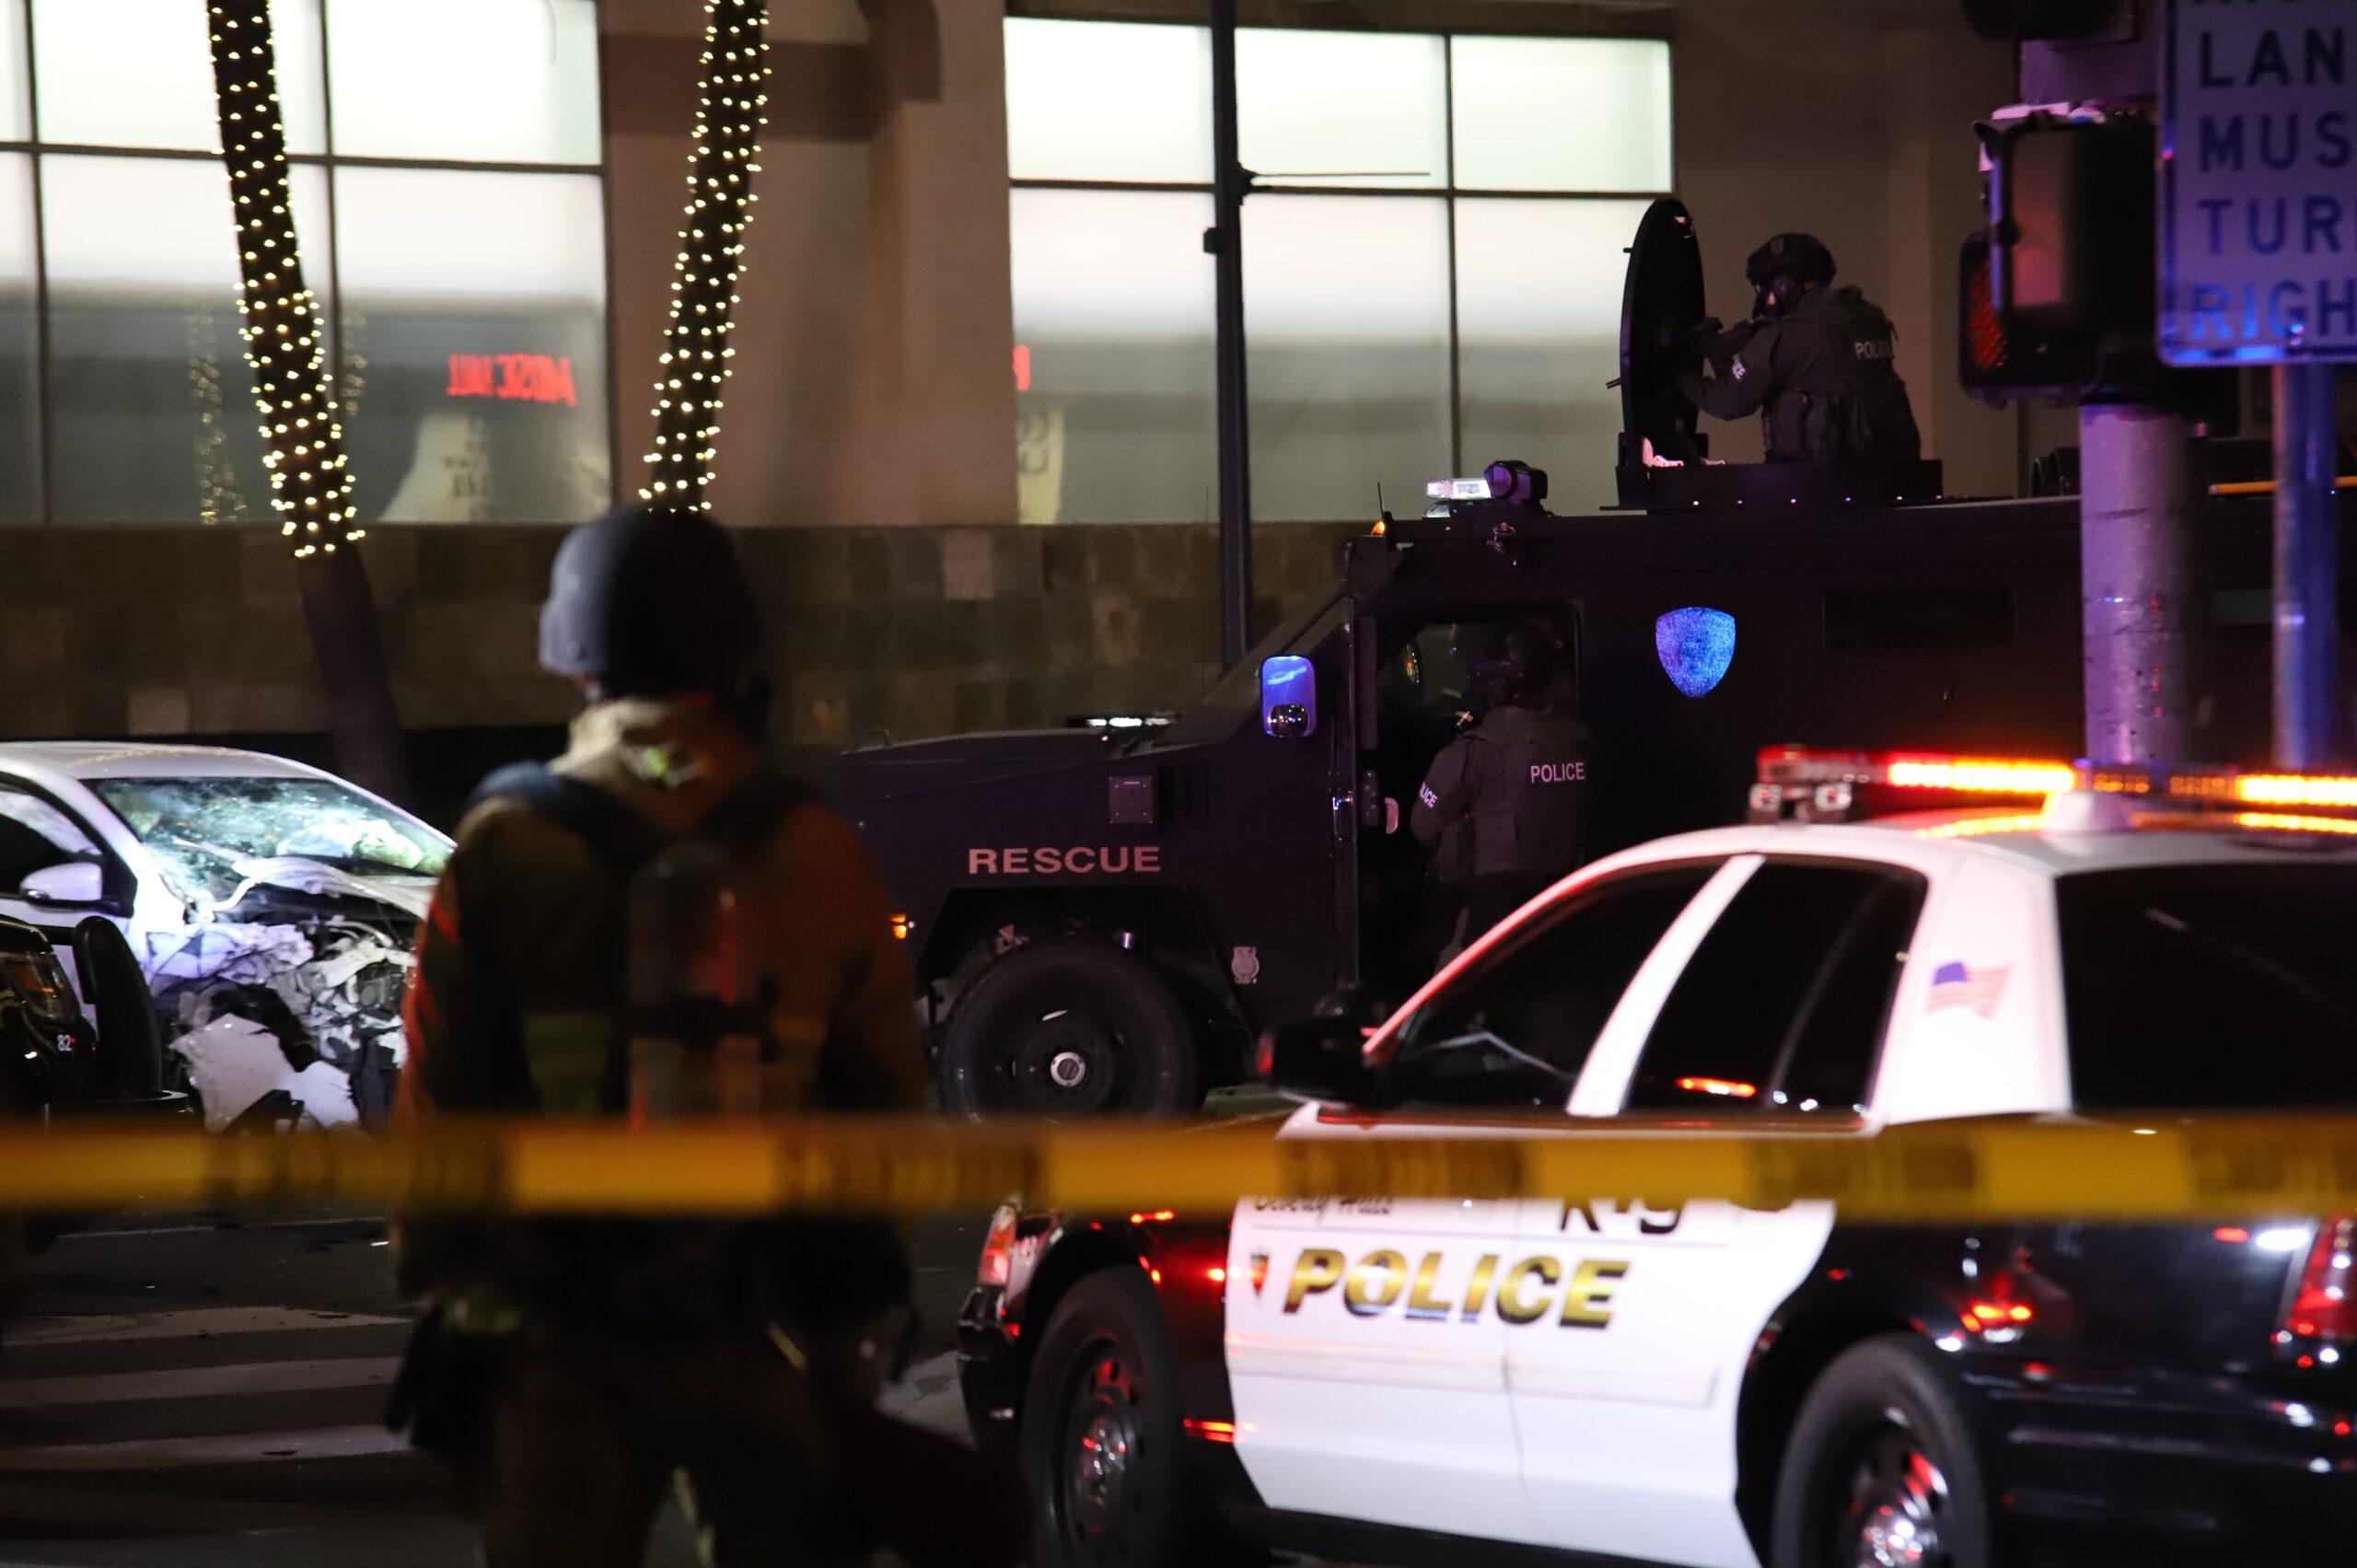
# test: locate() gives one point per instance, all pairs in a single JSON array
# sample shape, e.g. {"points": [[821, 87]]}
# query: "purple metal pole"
{"points": [[2137, 578], [2308, 727]]}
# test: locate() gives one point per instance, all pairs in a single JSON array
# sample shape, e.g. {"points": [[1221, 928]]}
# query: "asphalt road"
{"points": [[194, 1391], [200, 1391]]}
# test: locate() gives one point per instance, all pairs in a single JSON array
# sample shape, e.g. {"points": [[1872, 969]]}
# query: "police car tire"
{"points": [[1164, 1520], [1895, 1382], [1162, 1075]]}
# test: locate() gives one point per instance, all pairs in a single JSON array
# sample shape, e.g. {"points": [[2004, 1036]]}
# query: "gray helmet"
{"points": [[1521, 671], [645, 603], [1778, 269]]}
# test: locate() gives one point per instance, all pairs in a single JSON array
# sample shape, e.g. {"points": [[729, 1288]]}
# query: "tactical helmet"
{"points": [[1790, 260], [1523, 671], [645, 602]]}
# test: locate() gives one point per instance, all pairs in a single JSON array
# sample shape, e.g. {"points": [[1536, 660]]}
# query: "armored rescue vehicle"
{"points": [[1102, 919]]}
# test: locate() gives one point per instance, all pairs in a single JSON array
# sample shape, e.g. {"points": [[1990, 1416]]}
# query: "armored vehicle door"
{"points": [[1420, 700]]}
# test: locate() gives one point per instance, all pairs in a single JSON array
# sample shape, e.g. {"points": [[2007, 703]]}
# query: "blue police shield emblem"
{"points": [[1697, 647]]}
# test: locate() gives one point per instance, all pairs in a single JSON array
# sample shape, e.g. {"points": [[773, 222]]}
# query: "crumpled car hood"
{"points": [[410, 895], [262, 998]]}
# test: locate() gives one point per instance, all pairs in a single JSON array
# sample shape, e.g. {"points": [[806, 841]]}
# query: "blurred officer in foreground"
{"points": [[1517, 779], [658, 924], [1817, 362]]}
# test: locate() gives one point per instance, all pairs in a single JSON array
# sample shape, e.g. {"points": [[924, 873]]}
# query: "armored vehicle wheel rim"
{"points": [[1066, 1063], [1067, 1029], [1895, 1505]]}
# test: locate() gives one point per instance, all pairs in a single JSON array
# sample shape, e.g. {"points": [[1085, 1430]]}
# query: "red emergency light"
{"points": [[1806, 783]]}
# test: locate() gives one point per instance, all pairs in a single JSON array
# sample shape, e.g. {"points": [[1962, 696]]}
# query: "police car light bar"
{"points": [[1810, 784]]}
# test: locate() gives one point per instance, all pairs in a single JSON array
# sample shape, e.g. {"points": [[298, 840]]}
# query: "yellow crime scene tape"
{"points": [[1988, 1170]]}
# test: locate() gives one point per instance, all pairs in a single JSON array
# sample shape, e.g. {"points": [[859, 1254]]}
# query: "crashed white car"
{"points": [[271, 905]]}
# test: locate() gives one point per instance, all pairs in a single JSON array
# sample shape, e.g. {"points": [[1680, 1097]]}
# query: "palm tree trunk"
{"points": [[371, 748], [730, 104], [310, 486]]}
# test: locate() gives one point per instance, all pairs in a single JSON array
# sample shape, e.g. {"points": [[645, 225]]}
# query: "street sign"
{"points": [[2259, 182]]}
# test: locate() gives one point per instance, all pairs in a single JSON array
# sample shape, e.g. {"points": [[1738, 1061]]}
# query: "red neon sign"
{"points": [[532, 378]]}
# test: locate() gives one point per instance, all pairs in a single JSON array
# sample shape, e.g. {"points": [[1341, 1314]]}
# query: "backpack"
{"points": [[1873, 420], [825, 1274], [625, 844]]}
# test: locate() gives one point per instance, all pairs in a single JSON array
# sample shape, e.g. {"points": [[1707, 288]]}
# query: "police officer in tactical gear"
{"points": [[572, 1368], [1517, 779], [1816, 362]]}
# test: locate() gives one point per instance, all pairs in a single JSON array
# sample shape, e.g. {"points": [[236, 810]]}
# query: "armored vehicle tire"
{"points": [[1069, 1028], [1881, 1467], [1101, 1445]]}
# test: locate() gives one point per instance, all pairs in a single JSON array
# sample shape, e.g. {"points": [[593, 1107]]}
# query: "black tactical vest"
{"points": [[1841, 395]]}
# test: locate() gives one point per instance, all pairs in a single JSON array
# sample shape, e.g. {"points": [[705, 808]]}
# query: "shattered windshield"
{"points": [[200, 831]]}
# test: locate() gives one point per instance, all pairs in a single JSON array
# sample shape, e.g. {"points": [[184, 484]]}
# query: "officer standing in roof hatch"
{"points": [[660, 925], [1516, 781], [1817, 362]]}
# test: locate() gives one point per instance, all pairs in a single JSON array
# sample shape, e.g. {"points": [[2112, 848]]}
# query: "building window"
{"points": [[1432, 260], [449, 189]]}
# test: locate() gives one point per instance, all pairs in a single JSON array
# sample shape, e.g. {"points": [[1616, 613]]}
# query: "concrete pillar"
{"points": [[2136, 516], [873, 382]]}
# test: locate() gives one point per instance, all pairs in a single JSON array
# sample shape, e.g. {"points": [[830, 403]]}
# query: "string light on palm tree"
{"points": [[731, 105], [303, 440]]}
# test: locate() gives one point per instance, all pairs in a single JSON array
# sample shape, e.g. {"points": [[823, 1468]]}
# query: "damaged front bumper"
{"points": [[297, 995]]}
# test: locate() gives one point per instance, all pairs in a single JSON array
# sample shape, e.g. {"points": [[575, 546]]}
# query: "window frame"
{"points": [[1569, 612], [1672, 947], [122, 881], [1747, 1113], [1448, 193], [320, 252], [2078, 1009]]}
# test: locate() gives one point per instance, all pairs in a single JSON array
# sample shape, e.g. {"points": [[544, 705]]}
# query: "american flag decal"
{"points": [[1961, 985]]}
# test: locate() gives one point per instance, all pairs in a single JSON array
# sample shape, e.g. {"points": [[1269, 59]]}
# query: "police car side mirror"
{"points": [[1318, 1059], [1288, 696]]}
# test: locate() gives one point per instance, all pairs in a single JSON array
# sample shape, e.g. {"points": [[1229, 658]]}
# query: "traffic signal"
{"points": [[1997, 365], [2077, 51], [2071, 219], [2057, 292], [2015, 21]]}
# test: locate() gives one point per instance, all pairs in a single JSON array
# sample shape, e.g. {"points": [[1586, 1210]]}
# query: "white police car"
{"points": [[1708, 1385], [270, 905]]}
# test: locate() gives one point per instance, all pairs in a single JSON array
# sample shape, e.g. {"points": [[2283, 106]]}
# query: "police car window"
{"points": [[35, 834], [2201, 987], [1515, 1029], [1783, 1005]]}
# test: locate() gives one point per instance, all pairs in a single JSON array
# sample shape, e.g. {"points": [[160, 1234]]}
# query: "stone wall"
{"points": [[185, 631], [936, 632]]}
